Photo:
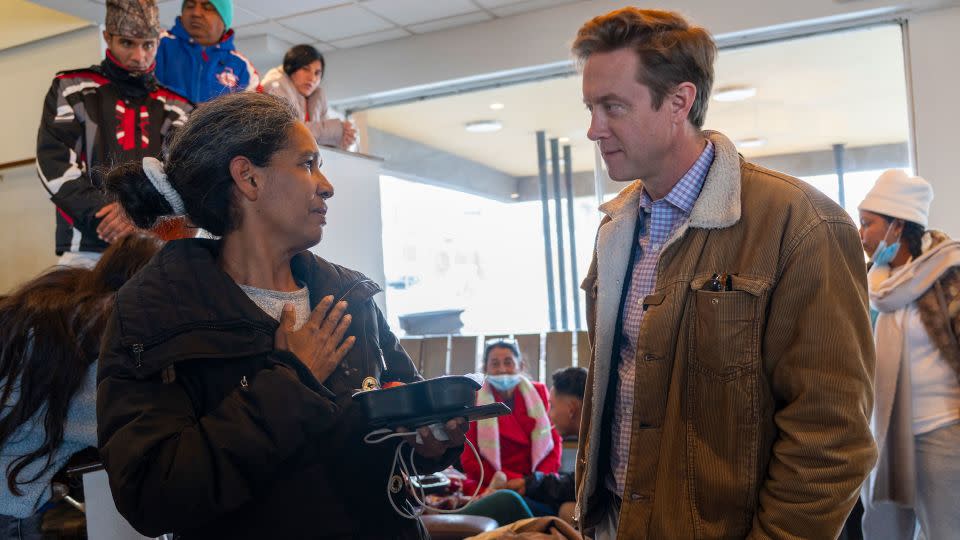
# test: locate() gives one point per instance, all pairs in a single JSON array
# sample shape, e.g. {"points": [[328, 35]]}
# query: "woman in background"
{"points": [[915, 286], [50, 332], [518, 444], [298, 81]]}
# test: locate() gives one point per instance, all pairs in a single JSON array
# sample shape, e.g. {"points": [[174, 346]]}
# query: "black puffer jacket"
{"points": [[207, 431]]}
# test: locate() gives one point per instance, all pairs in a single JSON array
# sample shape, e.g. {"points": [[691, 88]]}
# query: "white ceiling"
{"points": [[336, 24], [811, 93]]}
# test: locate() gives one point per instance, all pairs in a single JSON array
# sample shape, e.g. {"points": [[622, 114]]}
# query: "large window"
{"points": [[462, 210], [450, 250]]}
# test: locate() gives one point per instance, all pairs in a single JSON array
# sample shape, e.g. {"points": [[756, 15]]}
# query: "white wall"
{"points": [[26, 213], [353, 236], [933, 41], [28, 69], [27, 222]]}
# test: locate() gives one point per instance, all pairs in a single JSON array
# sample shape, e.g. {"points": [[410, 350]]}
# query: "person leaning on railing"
{"points": [[298, 81]]}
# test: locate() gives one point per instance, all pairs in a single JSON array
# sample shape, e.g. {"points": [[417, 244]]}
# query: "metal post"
{"points": [[838, 150], [599, 174], [575, 279], [558, 212], [547, 247]]}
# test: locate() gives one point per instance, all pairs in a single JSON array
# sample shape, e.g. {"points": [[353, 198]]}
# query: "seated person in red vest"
{"points": [[99, 117], [517, 444], [566, 404]]}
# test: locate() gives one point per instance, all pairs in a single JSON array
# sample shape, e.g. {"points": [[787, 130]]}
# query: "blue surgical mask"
{"points": [[885, 253], [504, 383]]}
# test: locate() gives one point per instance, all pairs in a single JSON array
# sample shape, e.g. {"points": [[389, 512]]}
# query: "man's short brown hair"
{"points": [[670, 51]]}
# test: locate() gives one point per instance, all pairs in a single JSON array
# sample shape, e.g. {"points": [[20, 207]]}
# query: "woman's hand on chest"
{"points": [[320, 343]]}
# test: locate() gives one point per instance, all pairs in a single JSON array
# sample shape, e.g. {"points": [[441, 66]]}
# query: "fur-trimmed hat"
{"points": [[133, 18]]}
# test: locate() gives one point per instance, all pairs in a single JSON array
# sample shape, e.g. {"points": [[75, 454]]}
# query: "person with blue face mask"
{"points": [[517, 444], [914, 286]]}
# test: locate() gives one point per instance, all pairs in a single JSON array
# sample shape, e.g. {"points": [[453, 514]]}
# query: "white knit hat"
{"points": [[900, 196]]}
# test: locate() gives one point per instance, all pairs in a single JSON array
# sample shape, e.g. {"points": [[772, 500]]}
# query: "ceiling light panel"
{"points": [[275, 9], [750, 142], [406, 12], [336, 23], [483, 126], [450, 22], [374, 37], [734, 93]]}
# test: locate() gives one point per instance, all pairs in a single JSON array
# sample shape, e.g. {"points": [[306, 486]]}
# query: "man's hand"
{"points": [[115, 223]]}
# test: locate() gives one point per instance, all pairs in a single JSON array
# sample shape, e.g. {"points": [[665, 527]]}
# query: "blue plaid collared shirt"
{"points": [[658, 221]]}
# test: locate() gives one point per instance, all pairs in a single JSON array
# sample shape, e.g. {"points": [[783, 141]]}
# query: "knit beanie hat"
{"points": [[900, 196], [225, 9], [133, 18]]}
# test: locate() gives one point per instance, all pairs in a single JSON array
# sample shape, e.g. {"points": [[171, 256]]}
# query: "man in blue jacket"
{"points": [[196, 57]]}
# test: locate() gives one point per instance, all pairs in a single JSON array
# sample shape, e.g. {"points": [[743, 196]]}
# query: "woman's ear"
{"points": [[244, 172]]}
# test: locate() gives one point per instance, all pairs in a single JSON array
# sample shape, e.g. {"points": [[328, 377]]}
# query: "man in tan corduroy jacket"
{"points": [[730, 382]]}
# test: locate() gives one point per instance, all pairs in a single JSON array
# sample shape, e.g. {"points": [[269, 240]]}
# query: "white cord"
{"points": [[383, 435]]}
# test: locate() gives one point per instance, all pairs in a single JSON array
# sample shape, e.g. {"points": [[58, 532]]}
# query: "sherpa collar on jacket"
{"points": [[719, 203]]}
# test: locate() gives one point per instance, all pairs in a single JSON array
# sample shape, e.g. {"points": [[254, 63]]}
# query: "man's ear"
{"points": [[577, 406], [681, 100], [244, 173]]}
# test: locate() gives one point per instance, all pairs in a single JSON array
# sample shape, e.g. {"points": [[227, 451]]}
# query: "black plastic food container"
{"points": [[451, 393]]}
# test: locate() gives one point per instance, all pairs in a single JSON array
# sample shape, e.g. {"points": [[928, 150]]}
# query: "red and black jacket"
{"points": [[94, 119]]}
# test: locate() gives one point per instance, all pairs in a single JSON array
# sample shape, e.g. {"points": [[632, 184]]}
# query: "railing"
{"points": [[15, 164], [543, 353]]}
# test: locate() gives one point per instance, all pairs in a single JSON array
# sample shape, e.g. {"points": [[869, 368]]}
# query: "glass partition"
{"points": [[462, 204]]}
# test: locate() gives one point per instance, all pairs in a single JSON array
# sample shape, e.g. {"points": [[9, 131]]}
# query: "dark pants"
{"points": [[540, 509], [12, 528]]}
